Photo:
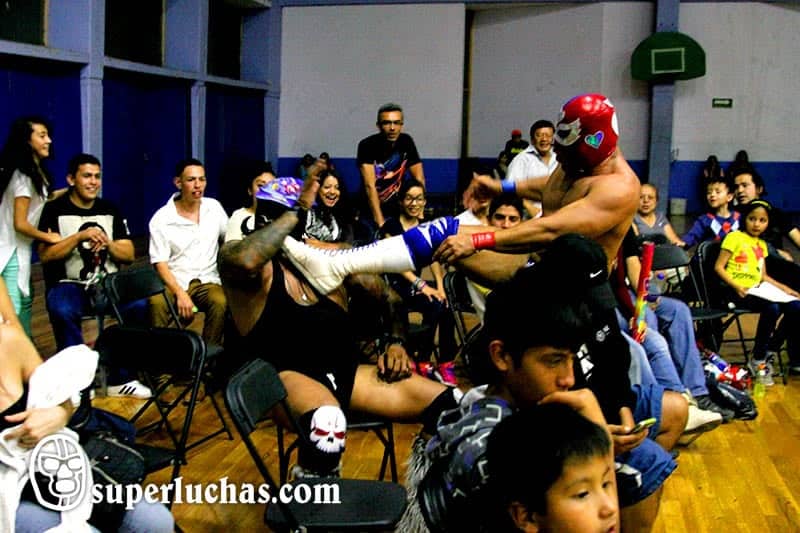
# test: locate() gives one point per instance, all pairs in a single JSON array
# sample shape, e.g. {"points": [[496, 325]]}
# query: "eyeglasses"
{"points": [[414, 199], [391, 122]]}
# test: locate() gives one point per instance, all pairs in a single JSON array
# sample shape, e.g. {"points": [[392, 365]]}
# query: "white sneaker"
{"points": [[134, 389], [315, 264], [700, 420]]}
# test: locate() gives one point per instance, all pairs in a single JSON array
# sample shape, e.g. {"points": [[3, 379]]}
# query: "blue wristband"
{"points": [[509, 187]]}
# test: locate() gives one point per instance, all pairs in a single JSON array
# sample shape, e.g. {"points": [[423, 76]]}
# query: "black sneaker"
{"points": [[706, 403]]}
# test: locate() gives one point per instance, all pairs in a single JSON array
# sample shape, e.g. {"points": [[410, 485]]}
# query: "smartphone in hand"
{"points": [[642, 425]]}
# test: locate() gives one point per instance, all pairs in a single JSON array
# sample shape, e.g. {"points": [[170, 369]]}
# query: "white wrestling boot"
{"points": [[326, 269]]}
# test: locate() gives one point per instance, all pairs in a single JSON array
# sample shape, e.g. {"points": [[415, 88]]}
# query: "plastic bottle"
{"points": [[718, 361], [760, 388]]}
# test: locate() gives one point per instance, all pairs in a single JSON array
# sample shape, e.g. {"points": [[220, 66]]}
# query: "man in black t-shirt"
{"points": [[94, 241], [385, 159]]}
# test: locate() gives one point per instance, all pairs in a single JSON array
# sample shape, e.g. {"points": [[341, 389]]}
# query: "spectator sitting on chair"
{"points": [[184, 241], [505, 211], [648, 221], [670, 342], [780, 263], [418, 295], [525, 365], [23, 426], [564, 482], [750, 186], [242, 221], [328, 224], [95, 242], [719, 221], [741, 265]]}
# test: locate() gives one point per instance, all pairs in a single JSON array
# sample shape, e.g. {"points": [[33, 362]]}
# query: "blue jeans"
{"points": [[67, 303], [649, 459], [661, 366], [674, 321], [145, 516]]}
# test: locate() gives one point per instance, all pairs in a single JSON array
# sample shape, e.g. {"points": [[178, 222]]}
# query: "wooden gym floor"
{"points": [[743, 476]]}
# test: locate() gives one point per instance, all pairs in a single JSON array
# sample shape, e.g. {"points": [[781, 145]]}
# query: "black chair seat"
{"points": [[707, 314], [367, 509]]}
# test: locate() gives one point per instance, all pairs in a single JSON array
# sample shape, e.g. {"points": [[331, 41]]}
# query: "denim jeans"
{"points": [[67, 303], [657, 351], [674, 321]]}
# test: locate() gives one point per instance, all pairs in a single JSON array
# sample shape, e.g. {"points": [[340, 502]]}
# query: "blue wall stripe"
{"points": [[782, 178]]}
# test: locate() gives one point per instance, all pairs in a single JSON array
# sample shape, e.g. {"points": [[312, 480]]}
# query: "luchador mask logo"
{"points": [[58, 471]]}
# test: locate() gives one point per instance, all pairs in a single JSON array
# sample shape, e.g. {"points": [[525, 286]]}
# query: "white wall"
{"points": [[752, 56], [339, 64], [528, 61]]}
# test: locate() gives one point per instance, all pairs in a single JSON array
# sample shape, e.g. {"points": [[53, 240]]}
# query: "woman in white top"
{"points": [[25, 185], [242, 221]]}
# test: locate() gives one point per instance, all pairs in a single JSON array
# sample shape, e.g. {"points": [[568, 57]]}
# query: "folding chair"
{"points": [[365, 505], [707, 253], [133, 284], [459, 301], [670, 257], [381, 427], [178, 353], [129, 285]]}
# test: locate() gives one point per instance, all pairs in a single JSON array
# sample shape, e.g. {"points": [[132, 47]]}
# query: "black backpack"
{"points": [[738, 401]]}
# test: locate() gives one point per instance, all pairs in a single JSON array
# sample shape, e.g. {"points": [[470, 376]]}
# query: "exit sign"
{"points": [[722, 102]]}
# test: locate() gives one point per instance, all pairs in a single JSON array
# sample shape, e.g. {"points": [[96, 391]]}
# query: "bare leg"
{"points": [[674, 411], [639, 518], [402, 400], [324, 424], [303, 393]]}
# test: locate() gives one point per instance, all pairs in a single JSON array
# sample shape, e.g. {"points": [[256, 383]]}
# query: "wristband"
{"points": [[483, 241], [508, 186], [419, 284]]}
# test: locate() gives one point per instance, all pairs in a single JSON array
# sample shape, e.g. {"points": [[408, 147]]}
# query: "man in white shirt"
{"points": [[184, 241], [537, 160]]}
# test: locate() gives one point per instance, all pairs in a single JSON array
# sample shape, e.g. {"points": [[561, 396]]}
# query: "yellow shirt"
{"points": [[746, 264]]}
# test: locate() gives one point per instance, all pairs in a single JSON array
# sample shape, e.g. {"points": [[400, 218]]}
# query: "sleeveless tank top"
{"points": [[316, 340]]}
